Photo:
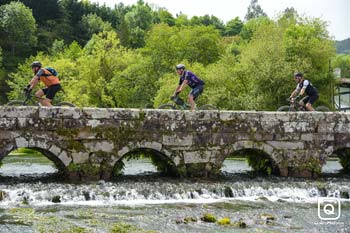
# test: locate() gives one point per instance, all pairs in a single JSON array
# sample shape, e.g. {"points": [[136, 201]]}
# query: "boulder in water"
{"points": [[208, 218]]}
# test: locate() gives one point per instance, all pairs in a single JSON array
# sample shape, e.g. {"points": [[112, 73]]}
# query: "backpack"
{"points": [[52, 71]]}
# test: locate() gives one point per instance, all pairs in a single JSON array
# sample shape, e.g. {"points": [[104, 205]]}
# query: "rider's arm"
{"points": [[305, 84], [182, 86], [33, 82], [36, 79], [294, 93]]}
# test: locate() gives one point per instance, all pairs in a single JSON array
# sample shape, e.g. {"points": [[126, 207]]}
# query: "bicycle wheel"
{"points": [[207, 107], [16, 103], [322, 109], [65, 104], [285, 108], [166, 106]]}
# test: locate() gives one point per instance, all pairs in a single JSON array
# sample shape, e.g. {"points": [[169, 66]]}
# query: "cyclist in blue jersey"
{"points": [[189, 78], [305, 86]]}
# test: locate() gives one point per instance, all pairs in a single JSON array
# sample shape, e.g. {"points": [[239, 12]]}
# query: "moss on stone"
{"points": [[127, 228], [189, 220], [208, 218], [224, 221]]}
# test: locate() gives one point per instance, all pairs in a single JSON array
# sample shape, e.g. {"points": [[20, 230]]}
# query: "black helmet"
{"points": [[298, 74], [180, 66], [36, 64]]}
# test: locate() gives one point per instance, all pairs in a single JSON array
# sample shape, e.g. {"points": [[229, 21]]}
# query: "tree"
{"points": [[233, 27], [93, 24], [254, 11], [169, 45], [342, 61], [138, 20], [17, 32]]}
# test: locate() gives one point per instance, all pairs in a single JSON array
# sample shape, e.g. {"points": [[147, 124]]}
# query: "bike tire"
{"points": [[322, 109], [16, 103], [65, 104], [166, 106], [207, 107], [285, 108]]}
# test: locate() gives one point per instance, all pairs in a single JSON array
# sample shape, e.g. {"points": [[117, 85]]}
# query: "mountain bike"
{"points": [[29, 101], [182, 105], [294, 106]]}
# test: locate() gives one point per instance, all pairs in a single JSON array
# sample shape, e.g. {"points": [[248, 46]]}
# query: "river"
{"points": [[32, 199]]}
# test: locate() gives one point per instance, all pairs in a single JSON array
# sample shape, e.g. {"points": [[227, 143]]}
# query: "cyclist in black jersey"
{"points": [[305, 86]]}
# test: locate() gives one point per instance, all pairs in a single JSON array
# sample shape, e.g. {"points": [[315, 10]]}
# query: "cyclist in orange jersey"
{"points": [[51, 82]]}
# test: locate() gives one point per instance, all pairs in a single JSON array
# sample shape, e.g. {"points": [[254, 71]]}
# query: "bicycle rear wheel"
{"points": [[65, 104], [322, 109], [285, 108], [16, 103], [166, 106], [207, 107]]}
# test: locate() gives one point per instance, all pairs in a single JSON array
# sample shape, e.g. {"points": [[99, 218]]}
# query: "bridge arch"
{"points": [[343, 153], [55, 154], [263, 158], [160, 157]]}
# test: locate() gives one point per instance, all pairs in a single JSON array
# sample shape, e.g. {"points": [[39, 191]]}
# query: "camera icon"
{"points": [[329, 208]]}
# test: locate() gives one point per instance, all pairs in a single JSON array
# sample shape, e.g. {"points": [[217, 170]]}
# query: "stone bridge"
{"points": [[89, 143]]}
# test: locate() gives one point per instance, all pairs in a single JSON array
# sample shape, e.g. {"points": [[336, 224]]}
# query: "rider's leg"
{"points": [[309, 107], [46, 102], [39, 94], [310, 101], [50, 94], [195, 92], [191, 101]]}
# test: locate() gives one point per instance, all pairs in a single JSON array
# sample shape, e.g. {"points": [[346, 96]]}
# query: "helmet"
{"points": [[180, 66], [298, 74], [36, 64]]}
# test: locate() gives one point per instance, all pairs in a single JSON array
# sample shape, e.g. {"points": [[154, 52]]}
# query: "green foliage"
{"points": [[93, 24], [94, 50], [259, 161], [343, 62], [138, 21], [17, 32], [233, 27]]}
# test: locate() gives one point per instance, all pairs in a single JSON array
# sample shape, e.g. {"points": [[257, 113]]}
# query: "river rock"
{"points": [[208, 218]]}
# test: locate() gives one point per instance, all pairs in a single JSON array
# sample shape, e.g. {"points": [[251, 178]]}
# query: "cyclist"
{"points": [[305, 86], [189, 78], [51, 82]]}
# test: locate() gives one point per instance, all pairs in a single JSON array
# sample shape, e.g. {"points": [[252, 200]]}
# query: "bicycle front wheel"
{"points": [[322, 109], [16, 103], [207, 107], [285, 108], [65, 104], [166, 106]]}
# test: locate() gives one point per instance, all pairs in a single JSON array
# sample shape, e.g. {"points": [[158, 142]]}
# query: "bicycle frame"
{"points": [[295, 106], [179, 102]]}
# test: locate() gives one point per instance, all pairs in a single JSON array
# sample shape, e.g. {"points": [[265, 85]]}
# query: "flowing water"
{"points": [[32, 200]]}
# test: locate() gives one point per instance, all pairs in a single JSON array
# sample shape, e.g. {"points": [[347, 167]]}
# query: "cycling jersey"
{"points": [[309, 89], [192, 80], [47, 78]]}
